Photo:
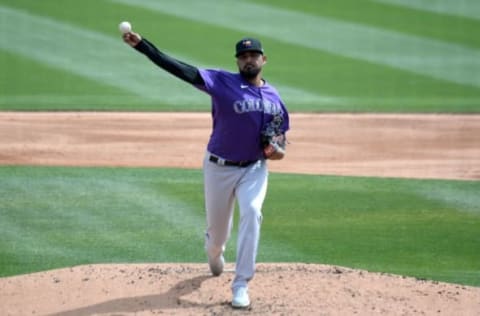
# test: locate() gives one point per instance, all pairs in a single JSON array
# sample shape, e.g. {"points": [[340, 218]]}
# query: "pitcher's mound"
{"points": [[188, 289]]}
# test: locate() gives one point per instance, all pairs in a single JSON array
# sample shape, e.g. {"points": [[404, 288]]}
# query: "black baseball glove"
{"points": [[274, 140]]}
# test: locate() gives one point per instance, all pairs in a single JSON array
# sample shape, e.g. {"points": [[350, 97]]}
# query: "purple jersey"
{"points": [[240, 111]]}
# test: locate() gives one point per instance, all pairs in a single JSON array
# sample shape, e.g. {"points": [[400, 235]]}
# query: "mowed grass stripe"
{"points": [[88, 215], [465, 198], [33, 85], [464, 8], [429, 57], [77, 50], [382, 15], [91, 55]]}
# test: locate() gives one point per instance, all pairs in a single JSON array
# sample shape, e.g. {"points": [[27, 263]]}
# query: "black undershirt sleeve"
{"points": [[177, 68]]}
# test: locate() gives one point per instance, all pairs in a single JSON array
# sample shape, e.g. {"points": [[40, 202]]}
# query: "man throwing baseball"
{"points": [[249, 125]]}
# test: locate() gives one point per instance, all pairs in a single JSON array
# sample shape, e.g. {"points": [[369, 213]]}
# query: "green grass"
{"points": [[410, 227], [80, 63], [402, 19], [57, 217]]}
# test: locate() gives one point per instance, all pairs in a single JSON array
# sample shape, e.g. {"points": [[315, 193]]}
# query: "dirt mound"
{"points": [[188, 289]]}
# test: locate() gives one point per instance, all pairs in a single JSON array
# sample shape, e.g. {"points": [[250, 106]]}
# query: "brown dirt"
{"points": [[411, 146], [188, 289]]}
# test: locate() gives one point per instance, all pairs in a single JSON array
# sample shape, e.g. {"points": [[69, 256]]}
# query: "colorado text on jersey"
{"points": [[258, 105]]}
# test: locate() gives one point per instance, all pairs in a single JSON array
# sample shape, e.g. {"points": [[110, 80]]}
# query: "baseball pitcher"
{"points": [[249, 125]]}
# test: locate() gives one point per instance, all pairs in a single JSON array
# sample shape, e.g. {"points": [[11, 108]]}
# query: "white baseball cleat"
{"points": [[216, 265], [240, 298]]}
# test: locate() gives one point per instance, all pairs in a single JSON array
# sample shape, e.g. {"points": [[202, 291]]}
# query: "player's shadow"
{"points": [[136, 304]]}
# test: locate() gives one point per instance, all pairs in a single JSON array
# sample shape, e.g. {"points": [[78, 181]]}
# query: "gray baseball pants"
{"points": [[223, 186]]}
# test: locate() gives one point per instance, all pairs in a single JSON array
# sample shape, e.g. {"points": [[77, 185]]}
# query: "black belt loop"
{"points": [[224, 162]]}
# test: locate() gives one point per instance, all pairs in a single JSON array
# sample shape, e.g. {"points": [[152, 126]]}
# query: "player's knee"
{"points": [[251, 214]]}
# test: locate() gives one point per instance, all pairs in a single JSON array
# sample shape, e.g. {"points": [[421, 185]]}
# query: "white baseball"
{"points": [[125, 27]]}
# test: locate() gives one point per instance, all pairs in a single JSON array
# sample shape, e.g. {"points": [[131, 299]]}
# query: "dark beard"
{"points": [[250, 73]]}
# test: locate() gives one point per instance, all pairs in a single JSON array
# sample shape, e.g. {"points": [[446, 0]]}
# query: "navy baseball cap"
{"points": [[248, 44]]}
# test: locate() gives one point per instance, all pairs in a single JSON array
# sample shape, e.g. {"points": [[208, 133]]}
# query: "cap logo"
{"points": [[247, 43]]}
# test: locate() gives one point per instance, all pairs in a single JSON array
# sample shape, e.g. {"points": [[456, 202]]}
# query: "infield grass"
{"points": [[55, 217]]}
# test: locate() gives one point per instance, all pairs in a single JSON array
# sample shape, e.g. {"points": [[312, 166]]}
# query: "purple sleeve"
{"points": [[209, 77]]}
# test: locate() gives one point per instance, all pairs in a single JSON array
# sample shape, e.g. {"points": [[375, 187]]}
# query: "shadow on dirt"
{"points": [[167, 300]]}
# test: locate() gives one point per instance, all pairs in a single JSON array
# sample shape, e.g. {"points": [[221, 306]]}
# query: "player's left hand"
{"points": [[275, 148]]}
